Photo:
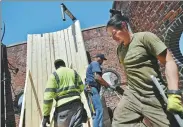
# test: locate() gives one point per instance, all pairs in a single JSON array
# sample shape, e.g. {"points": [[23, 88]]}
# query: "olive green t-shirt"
{"points": [[140, 62]]}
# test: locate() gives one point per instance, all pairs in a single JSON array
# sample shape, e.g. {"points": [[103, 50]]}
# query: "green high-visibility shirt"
{"points": [[67, 90], [140, 62]]}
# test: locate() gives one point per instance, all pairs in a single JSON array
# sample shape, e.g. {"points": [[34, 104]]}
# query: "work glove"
{"points": [[46, 120], [174, 103]]}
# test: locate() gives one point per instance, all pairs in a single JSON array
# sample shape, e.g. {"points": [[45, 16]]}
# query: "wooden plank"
{"points": [[28, 111], [23, 102], [55, 46], [44, 63], [77, 43], [35, 114], [58, 44], [63, 47], [55, 51], [52, 52], [39, 75], [49, 58], [72, 49], [44, 67], [48, 54], [35, 97], [67, 47], [81, 50], [80, 41], [43, 70]]}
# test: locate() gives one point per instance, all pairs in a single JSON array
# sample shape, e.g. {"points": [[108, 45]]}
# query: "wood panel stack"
{"points": [[42, 51]]}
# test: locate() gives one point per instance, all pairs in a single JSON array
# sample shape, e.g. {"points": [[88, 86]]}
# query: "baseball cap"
{"points": [[101, 56]]}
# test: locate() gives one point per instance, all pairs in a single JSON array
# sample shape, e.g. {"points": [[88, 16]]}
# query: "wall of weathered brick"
{"points": [[7, 113], [17, 58]]}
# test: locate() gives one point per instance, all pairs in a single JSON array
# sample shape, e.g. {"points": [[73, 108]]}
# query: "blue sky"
{"points": [[22, 18], [181, 44]]}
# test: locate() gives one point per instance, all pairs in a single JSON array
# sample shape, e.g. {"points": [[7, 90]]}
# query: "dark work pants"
{"points": [[69, 115]]}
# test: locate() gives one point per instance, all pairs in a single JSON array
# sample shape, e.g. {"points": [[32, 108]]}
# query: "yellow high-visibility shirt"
{"points": [[69, 88]]}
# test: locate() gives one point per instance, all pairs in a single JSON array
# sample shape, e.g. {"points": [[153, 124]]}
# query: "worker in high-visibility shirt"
{"points": [[65, 86]]}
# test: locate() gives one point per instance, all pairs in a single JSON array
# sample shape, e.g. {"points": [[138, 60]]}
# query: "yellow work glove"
{"points": [[174, 103]]}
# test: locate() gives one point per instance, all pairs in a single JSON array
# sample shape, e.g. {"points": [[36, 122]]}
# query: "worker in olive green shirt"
{"points": [[139, 54], [64, 86]]}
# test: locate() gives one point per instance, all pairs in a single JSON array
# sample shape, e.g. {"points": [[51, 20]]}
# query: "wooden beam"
{"points": [[23, 103], [35, 95], [28, 95]]}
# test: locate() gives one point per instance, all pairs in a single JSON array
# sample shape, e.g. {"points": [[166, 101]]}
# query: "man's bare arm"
{"points": [[171, 70], [100, 80]]}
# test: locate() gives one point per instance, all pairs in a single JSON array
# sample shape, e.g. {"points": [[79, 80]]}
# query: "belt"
{"points": [[68, 95]]}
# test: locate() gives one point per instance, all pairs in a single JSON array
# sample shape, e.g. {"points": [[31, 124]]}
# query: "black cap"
{"points": [[101, 56], [59, 62]]}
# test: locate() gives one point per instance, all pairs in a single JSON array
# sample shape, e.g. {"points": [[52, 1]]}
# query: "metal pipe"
{"points": [[62, 11], [4, 75], [177, 117]]}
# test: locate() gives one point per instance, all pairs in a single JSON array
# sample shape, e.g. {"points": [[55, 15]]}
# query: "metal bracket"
{"points": [[64, 11]]}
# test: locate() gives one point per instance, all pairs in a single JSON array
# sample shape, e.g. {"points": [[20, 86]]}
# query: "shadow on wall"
{"points": [[8, 100], [88, 57]]}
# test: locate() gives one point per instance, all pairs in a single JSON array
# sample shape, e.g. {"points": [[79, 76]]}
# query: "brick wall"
{"points": [[17, 59]]}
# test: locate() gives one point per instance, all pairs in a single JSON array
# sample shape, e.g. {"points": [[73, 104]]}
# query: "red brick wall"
{"points": [[17, 57], [154, 16]]}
